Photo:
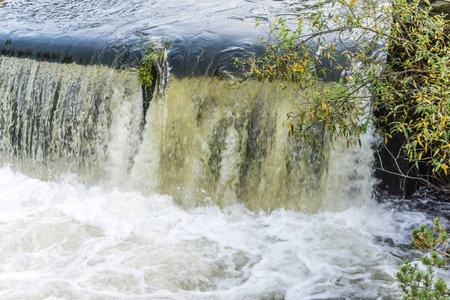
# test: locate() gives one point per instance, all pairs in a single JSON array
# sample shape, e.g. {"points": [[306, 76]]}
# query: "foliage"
{"points": [[409, 87], [153, 55], [416, 283], [422, 109]]}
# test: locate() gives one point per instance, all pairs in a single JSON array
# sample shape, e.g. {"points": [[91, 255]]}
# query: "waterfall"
{"points": [[206, 196], [206, 140], [58, 118], [197, 192]]}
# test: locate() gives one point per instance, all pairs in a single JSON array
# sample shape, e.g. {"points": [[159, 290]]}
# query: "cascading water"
{"points": [[205, 138], [59, 118], [201, 196], [163, 213], [226, 140]]}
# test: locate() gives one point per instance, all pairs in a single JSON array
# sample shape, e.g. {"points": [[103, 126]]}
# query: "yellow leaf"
{"points": [[436, 152], [326, 108], [444, 166]]}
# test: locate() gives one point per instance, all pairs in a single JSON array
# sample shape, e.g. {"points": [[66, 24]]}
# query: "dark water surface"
{"points": [[107, 32]]}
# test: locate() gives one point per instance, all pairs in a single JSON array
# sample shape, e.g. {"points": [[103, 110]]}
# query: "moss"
{"points": [[147, 68], [148, 73]]}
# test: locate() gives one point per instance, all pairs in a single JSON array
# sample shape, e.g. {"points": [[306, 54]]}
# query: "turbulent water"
{"points": [[58, 117], [204, 197], [64, 240], [201, 196], [225, 140]]}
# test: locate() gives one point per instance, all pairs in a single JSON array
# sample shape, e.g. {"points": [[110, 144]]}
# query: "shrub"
{"points": [[420, 283], [395, 66]]}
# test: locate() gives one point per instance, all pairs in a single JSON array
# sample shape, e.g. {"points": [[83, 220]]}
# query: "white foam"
{"points": [[65, 240]]}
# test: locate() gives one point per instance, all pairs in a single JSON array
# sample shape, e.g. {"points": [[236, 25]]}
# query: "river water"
{"points": [[64, 240], [202, 196], [210, 199]]}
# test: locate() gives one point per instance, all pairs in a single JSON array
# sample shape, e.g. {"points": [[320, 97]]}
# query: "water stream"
{"points": [[64, 240], [210, 199], [202, 196]]}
